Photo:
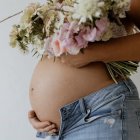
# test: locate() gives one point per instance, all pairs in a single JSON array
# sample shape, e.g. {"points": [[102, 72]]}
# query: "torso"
{"points": [[55, 84]]}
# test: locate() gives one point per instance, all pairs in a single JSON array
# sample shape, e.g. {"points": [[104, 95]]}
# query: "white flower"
{"points": [[87, 9], [61, 18], [67, 8]]}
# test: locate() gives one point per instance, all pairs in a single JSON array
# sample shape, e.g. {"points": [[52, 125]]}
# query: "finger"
{"points": [[48, 128], [37, 124], [31, 114], [53, 131]]}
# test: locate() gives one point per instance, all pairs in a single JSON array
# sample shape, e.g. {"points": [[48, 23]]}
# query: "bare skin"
{"points": [[55, 84]]}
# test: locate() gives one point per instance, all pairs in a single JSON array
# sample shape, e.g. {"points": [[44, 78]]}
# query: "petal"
{"points": [[90, 35], [81, 43], [58, 50], [71, 46]]}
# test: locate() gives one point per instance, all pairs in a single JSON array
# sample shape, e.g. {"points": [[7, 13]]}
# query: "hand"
{"points": [[78, 61], [45, 126]]}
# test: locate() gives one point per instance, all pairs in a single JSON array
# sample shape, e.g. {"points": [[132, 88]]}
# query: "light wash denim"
{"points": [[111, 113]]}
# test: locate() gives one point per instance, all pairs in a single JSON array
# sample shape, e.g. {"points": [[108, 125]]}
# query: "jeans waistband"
{"points": [[124, 86], [80, 106]]}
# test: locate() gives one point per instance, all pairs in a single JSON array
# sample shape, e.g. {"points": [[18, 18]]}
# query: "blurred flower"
{"points": [[13, 36], [103, 29], [28, 13], [120, 7], [66, 26], [87, 9]]}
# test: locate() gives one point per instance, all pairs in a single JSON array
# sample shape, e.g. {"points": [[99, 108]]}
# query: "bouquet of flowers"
{"points": [[67, 26]]}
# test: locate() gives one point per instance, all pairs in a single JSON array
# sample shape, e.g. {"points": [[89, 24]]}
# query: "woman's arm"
{"points": [[120, 49], [134, 13]]}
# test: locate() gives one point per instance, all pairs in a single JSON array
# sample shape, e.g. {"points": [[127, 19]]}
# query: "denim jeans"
{"points": [[111, 113]]}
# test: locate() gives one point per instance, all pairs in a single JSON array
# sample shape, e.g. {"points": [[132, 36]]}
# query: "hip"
{"points": [[110, 113]]}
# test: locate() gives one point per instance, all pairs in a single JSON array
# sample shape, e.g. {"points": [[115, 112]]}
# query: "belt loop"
{"points": [[82, 106]]}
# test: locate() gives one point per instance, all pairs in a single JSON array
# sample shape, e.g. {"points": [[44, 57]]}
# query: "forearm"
{"points": [[120, 49], [134, 13]]}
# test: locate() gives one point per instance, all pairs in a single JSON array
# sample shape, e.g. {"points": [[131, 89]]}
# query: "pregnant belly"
{"points": [[54, 84]]}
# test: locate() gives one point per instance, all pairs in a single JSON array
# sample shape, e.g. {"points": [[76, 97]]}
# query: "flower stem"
{"points": [[11, 16], [55, 9]]}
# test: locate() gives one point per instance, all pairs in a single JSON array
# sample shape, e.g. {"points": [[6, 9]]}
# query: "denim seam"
{"points": [[138, 116], [124, 117]]}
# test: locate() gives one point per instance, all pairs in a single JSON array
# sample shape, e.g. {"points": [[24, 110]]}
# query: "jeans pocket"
{"points": [[110, 107]]}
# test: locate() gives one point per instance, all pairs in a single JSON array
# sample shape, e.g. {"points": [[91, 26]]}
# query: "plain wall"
{"points": [[15, 73]]}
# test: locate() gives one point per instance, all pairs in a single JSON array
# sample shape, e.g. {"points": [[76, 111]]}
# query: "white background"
{"points": [[15, 73]]}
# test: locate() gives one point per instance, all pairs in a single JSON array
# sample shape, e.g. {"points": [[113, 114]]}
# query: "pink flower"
{"points": [[63, 31], [64, 42], [81, 42], [71, 46], [89, 34], [48, 48], [102, 27], [73, 28], [70, 39], [57, 47], [56, 43]]}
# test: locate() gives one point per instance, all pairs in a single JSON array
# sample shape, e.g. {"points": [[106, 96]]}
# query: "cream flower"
{"points": [[28, 12], [120, 7], [49, 23], [41, 11], [68, 2], [13, 36], [60, 19], [87, 9], [38, 45]]}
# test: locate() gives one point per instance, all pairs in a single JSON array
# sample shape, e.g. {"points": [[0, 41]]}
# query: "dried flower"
{"points": [[66, 26]]}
